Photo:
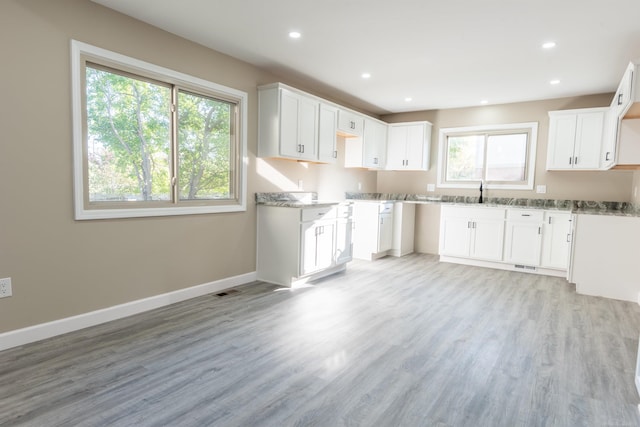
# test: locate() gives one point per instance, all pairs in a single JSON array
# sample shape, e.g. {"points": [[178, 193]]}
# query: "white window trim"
{"points": [[78, 49], [531, 166]]}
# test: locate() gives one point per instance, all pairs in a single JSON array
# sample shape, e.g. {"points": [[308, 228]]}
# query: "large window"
{"points": [[501, 156], [150, 141]]}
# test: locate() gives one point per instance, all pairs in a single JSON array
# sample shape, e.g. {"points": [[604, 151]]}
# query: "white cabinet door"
{"points": [[522, 243], [589, 139], [556, 243], [344, 241], [397, 147], [385, 232], [610, 140], [327, 151], [562, 136], [408, 146], [317, 246], [418, 147], [298, 126], [472, 232], [487, 239], [576, 138], [374, 144], [349, 123], [455, 232]]}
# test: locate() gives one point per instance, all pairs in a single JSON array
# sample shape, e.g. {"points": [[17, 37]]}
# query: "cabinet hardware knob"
{"points": [[570, 160], [620, 96], [575, 162], [607, 156], [335, 154], [568, 238]]}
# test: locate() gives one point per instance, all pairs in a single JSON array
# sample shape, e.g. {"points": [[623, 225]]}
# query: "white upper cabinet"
{"points": [[375, 144], [625, 94], [349, 123], [575, 139], [368, 151], [408, 146], [327, 137], [288, 124]]}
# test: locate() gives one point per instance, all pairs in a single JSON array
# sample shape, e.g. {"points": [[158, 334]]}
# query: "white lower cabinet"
{"points": [[523, 237], [556, 241], [373, 232], [468, 232], [404, 219], [318, 239], [515, 239], [296, 245]]}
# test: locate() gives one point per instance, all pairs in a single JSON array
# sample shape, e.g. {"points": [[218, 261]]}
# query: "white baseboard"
{"points": [[42, 331]]}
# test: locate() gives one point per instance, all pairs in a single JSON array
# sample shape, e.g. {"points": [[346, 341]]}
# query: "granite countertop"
{"points": [[581, 207], [302, 199]]}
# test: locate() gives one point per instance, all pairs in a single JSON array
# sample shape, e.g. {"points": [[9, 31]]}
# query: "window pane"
{"points": [[128, 138], [506, 157], [205, 147], [465, 157]]}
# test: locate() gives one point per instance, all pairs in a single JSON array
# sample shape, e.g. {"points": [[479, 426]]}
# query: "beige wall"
{"points": [[61, 267], [603, 186]]}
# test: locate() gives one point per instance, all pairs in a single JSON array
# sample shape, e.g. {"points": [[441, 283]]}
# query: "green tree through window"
{"points": [[129, 152]]}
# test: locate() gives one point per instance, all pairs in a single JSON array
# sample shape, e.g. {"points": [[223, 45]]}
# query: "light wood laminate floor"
{"points": [[395, 342]]}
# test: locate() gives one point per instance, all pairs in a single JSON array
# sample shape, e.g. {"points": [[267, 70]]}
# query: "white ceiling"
{"points": [[442, 54]]}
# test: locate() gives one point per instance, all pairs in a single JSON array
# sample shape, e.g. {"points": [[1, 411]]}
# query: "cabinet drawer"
{"points": [[525, 215], [312, 214], [385, 208]]}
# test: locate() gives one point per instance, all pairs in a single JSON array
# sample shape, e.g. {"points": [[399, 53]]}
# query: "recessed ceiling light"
{"points": [[549, 45], [484, 102], [408, 99], [295, 34], [366, 75], [554, 82]]}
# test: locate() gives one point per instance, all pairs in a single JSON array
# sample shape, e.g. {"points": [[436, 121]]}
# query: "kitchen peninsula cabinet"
{"points": [[299, 244], [408, 146], [605, 256]]}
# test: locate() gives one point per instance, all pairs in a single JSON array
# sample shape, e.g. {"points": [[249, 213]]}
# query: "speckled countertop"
{"points": [[574, 206], [302, 199], [583, 207]]}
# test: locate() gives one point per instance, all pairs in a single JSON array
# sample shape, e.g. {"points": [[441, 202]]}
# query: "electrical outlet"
{"points": [[541, 189], [5, 287], [300, 184], [431, 187], [359, 186]]}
